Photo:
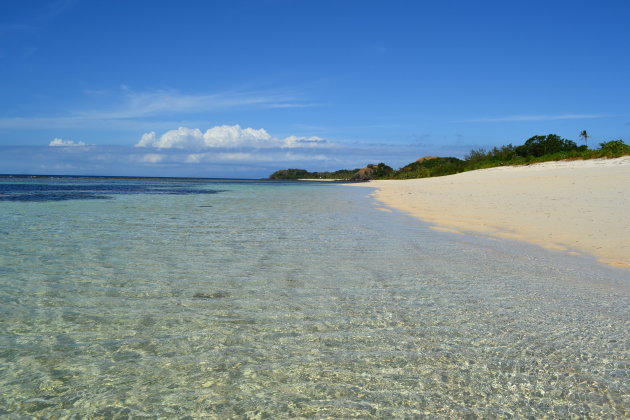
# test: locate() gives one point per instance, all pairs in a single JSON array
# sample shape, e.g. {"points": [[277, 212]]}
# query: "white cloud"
{"points": [[182, 138], [147, 140], [313, 141], [57, 142], [219, 136], [224, 136], [230, 136]]}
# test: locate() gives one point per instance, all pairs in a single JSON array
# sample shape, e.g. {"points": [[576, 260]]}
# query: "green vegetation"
{"points": [[380, 171], [542, 149], [428, 167], [536, 149], [538, 146], [292, 174], [614, 148]]}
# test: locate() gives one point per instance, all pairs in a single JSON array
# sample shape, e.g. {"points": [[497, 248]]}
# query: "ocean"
{"points": [[180, 298]]}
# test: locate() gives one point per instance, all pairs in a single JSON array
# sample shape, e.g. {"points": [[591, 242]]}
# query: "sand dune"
{"points": [[575, 206]]}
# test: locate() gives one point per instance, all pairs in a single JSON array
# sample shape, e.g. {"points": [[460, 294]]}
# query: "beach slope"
{"points": [[580, 206]]}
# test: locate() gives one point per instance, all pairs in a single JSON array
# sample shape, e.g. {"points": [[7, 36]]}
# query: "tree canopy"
{"points": [[545, 145]]}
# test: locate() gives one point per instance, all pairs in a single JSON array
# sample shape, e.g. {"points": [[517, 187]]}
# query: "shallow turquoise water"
{"points": [[294, 300]]}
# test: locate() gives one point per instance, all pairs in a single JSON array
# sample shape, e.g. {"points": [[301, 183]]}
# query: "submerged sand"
{"points": [[575, 206]]}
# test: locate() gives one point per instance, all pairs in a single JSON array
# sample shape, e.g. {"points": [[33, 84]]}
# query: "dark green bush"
{"points": [[381, 170], [614, 147], [545, 145], [290, 174], [430, 167]]}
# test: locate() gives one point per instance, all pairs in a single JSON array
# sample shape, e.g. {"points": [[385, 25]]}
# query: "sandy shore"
{"points": [[321, 179], [575, 206]]}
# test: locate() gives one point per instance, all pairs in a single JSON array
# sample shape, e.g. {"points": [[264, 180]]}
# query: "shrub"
{"points": [[545, 145], [477, 155], [290, 174], [381, 170], [430, 167], [614, 147]]}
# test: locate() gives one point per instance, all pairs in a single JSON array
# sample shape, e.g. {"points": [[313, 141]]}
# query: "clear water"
{"points": [[217, 299]]}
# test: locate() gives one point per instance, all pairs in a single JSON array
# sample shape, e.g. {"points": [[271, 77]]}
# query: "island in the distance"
{"points": [[536, 149]]}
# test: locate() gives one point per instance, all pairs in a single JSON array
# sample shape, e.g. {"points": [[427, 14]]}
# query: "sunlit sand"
{"points": [[573, 206]]}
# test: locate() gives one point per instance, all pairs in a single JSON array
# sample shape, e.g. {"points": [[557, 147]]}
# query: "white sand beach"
{"points": [[575, 206]]}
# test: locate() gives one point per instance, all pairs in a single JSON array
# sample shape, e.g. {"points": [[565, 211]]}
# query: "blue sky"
{"points": [[242, 88]]}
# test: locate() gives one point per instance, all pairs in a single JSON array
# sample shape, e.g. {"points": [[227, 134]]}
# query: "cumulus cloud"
{"points": [[219, 136], [224, 136], [57, 142]]}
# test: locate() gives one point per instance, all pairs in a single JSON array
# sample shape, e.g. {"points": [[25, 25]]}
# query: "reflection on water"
{"points": [[295, 300]]}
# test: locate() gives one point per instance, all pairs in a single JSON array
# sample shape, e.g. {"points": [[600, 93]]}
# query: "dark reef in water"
{"points": [[61, 189]]}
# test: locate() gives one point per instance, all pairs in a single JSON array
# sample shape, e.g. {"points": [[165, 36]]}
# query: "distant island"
{"points": [[536, 149]]}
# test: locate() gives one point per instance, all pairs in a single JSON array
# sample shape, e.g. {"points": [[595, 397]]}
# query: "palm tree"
{"points": [[585, 136]]}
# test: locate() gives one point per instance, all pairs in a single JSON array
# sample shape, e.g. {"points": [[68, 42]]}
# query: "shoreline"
{"points": [[579, 207], [321, 179]]}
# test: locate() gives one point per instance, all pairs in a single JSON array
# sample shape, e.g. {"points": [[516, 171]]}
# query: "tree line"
{"points": [[535, 149]]}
